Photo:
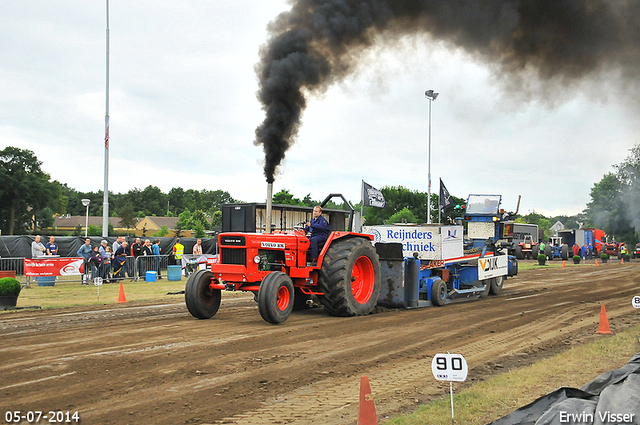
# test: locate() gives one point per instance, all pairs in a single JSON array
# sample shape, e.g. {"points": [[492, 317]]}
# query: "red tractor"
{"points": [[346, 279]]}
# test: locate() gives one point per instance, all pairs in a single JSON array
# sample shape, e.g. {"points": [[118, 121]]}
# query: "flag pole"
{"points": [[439, 202], [361, 204]]}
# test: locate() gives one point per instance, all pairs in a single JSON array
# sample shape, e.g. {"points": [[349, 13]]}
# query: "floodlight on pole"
{"points": [[431, 95], [86, 203]]}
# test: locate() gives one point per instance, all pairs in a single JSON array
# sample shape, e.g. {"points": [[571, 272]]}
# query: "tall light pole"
{"points": [[429, 94], [105, 202], [86, 203]]}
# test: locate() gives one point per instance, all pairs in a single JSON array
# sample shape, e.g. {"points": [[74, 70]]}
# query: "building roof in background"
{"points": [[71, 221], [156, 223]]}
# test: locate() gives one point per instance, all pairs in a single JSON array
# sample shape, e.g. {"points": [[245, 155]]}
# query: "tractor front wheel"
{"points": [[275, 297], [202, 301], [519, 253], [350, 278], [486, 283]]}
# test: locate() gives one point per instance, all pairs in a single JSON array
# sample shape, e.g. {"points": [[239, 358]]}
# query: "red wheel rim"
{"points": [[362, 279], [283, 298]]}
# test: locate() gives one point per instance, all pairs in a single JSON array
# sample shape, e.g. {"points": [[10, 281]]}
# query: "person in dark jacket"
{"points": [[119, 260], [95, 260], [318, 230]]}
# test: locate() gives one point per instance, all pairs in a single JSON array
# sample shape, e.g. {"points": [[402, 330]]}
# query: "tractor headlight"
{"points": [[256, 259]]}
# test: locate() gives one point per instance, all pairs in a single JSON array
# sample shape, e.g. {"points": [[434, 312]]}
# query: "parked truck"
{"points": [[589, 236]]}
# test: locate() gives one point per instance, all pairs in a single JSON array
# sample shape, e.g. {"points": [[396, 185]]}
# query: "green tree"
{"points": [[24, 187], [162, 232], [185, 220], [127, 216], [404, 216], [199, 230], [399, 198], [286, 198], [200, 219], [44, 218], [216, 219]]}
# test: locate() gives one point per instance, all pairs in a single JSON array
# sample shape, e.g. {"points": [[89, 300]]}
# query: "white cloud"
{"points": [[183, 111]]}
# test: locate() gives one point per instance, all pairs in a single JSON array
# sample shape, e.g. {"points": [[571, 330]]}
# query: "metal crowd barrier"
{"points": [[134, 269], [12, 263]]}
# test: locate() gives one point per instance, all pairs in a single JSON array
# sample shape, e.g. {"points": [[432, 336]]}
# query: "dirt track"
{"points": [[155, 364]]}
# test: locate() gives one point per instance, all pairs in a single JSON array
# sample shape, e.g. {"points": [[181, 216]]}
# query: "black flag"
{"points": [[445, 198], [372, 197]]}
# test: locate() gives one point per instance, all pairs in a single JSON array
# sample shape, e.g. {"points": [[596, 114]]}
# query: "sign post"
{"points": [[97, 281], [449, 367]]}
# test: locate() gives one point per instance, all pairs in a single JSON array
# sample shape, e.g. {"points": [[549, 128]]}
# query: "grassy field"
{"points": [[69, 294], [496, 397]]}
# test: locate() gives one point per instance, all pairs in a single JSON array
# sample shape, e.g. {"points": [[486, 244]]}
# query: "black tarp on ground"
{"points": [[20, 246], [604, 401]]}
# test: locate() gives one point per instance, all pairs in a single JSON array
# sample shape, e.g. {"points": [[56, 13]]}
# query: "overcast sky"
{"points": [[184, 111]]}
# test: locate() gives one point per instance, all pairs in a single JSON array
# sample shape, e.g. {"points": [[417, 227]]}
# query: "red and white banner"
{"points": [[44, 266]]}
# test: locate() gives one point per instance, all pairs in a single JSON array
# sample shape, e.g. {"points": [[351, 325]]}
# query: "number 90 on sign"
{"points": [[449, 367]]}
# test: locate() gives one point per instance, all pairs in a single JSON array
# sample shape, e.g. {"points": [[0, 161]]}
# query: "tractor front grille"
{"points": [[233, 256]]}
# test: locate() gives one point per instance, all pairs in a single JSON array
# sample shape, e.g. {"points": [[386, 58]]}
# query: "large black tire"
{"points": [[535, 250], [350, 278], [564, 252], [487, 287], [202, 301], [548, 252], [438, 292], [519, 253], [496, 285], [275, 297]]}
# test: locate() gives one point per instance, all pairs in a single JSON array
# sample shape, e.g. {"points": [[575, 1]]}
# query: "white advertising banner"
{"points": [[429, 242], [493, 266]]}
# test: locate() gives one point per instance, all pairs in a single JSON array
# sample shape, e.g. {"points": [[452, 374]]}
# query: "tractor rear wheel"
{"points": [[534, 252], [202, 301], [496, 285], [438, 292], [519, 253], [350, 278], [275, 297], [564, 252]]}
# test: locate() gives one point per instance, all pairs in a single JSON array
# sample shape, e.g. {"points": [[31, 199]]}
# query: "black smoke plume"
{"points": [[317, 43]]}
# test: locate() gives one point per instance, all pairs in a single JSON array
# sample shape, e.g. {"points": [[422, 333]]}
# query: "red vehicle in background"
{"points": [[612, 248], [636, 252]]}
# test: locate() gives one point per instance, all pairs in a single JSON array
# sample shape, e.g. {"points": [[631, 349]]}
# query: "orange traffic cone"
{"points": [[564, 263], [604, 322], [622, 261], [597, 262], [366, 408], [121, 298]]}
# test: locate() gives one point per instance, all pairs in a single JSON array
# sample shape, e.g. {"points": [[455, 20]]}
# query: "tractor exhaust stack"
{"points": [[267, 226]]}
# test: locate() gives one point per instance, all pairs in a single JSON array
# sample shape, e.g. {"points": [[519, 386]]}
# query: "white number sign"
{"points": [[636, 302], [449, 367]]}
